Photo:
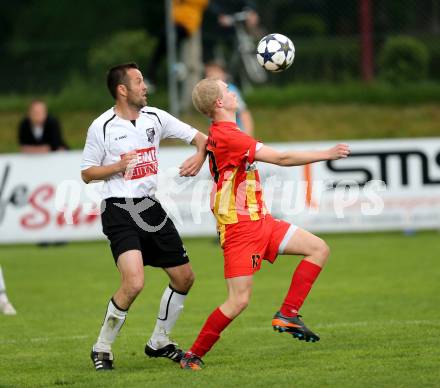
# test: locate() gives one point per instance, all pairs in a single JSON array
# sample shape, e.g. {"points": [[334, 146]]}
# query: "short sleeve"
{"points": [[241, 146], [176, 129], [94, 152]]}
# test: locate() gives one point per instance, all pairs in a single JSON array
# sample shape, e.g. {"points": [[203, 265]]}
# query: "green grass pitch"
{"points": [[376, 307]]}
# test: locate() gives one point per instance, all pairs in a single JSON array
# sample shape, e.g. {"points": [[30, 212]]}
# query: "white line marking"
{"points": [[261, 327], [44, 339]]}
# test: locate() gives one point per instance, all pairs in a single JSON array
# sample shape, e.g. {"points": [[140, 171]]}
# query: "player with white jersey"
{"points": [[122, 149]]}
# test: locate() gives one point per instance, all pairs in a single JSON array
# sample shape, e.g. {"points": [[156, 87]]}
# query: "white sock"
{"points": [[3, 296], [171, 305], [2, 282], [113, 321]]}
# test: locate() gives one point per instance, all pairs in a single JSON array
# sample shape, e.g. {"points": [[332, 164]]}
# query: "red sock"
{"points": [[210, 332], [302, 281]]}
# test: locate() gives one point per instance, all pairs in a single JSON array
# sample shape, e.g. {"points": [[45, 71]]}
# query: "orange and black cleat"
{"points": [[191, 361], [295, 326]]}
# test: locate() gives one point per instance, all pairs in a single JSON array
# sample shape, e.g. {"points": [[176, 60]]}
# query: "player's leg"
{"points": [[164, 248], [131, 268], [171, 305], [315, 252], [239, 293], [5, 305]]}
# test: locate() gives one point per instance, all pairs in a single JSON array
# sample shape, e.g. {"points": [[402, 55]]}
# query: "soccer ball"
{"points": [[275, 52]]}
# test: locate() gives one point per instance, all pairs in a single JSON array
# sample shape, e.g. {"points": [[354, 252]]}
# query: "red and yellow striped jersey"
{"points": [[237, 194]]}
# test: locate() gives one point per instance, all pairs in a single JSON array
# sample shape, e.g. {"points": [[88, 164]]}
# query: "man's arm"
{"points": [[299, 158], [35, 149], [97, 173], [192, 165]]}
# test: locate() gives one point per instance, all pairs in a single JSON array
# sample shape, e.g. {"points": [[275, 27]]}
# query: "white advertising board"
{"points": [[384, 185]]}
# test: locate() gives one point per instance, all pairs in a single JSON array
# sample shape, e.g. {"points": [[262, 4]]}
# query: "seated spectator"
{"points": [[40, 132]]}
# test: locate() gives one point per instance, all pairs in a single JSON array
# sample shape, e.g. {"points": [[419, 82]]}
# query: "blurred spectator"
{"points": [[5, 306], [244, 116], [187, 18], [40, 132], [218, 25]]}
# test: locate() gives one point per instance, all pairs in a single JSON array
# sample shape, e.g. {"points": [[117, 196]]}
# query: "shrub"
{"points": [[305, 25], [403, 59], [322, 59], [125, 46]]}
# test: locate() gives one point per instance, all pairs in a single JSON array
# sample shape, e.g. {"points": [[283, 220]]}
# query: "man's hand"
{"points": [[339, 151], [129, 158], [192, 165], [127, 164]]}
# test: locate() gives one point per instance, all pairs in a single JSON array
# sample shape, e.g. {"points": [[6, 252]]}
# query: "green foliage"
{"points": [[304, 25], [121, 47], [348, 92], [80, 94], [359, 306], [403, 59], [295, 122], [433, 45], [322, 59], [338, 59], [42, 42]]}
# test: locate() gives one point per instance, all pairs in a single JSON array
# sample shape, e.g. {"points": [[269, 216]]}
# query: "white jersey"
{"points": [[110, 137]]}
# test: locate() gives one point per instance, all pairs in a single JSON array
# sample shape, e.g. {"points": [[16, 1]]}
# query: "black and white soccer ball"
{"points": [[275, 52]]}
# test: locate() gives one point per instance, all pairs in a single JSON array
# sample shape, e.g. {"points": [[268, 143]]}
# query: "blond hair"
{"points": [[205, 94]]}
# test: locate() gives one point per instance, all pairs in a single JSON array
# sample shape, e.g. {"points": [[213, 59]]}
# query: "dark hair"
{"points": [[117, 75]]}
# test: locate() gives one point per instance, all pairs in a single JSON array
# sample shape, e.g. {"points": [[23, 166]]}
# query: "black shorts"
{"points": [[150, 231]]}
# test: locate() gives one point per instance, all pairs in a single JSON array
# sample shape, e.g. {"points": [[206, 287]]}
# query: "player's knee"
{"points": [[184, 282], [322, 252], [189, 280], [241, 302], [134, 286]]}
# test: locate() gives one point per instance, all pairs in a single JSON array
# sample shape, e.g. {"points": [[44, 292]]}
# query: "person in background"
{"points": [[5, 306], [187, 18], [39, 132], [218, 26], [244, 117]]}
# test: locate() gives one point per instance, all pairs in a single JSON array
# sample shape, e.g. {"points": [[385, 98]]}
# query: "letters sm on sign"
{"points": [[383, 185]]}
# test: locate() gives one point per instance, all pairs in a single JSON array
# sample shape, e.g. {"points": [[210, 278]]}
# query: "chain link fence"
{"points": [[332, 38], [45, 45]]}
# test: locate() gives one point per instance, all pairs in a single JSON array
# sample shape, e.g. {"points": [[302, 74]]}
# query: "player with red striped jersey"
{"points": [[248, 233]]}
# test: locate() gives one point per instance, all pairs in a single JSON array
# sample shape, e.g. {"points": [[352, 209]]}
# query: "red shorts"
{"points": [[246, 243]]}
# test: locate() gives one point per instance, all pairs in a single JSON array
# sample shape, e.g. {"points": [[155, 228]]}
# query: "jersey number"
{"points": [[214, 167]]}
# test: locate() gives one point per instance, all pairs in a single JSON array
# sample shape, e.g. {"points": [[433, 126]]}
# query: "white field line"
{"points": [[258, 328], [44, 339]]}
